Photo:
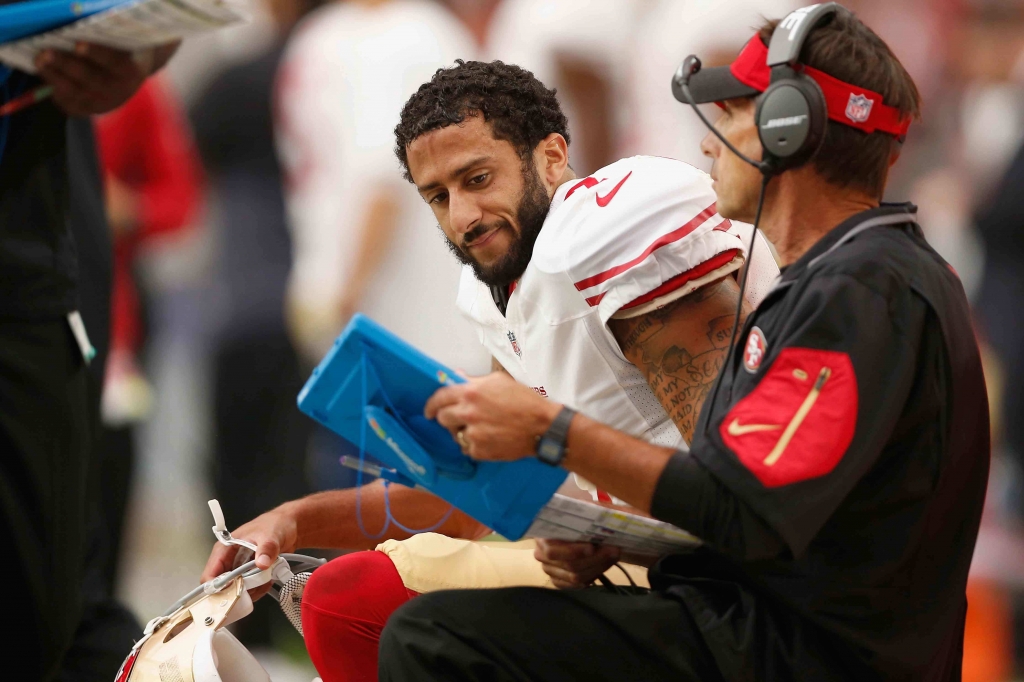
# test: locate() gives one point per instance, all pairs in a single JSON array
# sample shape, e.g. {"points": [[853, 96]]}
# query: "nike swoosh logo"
{"points": [[603, 201], [737, 429]]}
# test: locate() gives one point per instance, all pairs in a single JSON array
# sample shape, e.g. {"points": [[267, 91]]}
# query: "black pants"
{"points": [[531, 634], [261, 440], [106, 630], [44, 448]]}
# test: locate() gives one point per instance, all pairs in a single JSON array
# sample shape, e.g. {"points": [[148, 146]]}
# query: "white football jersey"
{"points": [[634, 236]]}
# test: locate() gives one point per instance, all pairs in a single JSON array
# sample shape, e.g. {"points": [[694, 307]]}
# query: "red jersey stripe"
{"points": [[585, 182], [674, 235], [680, 280]]}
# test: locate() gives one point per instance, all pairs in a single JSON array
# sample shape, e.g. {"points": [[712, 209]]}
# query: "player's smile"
{"points": [[484, 240]]}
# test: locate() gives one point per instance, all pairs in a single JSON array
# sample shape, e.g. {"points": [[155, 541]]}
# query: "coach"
{"points": [[838, 470]]}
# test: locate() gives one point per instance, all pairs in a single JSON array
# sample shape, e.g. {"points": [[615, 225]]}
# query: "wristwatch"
{"points": [[551, 446]]}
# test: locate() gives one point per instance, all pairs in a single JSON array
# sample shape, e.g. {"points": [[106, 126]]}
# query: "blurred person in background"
{"points": [[45, 429], [152, 180], [667, 32], [260, 436], [361, 241], [575, 46]]}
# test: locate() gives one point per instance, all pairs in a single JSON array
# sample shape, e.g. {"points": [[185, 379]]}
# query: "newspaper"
{"points": [[566, 518], [132, 26]]}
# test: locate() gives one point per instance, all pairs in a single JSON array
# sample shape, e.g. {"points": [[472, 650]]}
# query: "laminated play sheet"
{"points": [[572, 520], [132, 25]]}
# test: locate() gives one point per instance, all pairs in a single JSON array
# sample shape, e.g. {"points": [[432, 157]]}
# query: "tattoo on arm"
{"points": [[681, 347]]}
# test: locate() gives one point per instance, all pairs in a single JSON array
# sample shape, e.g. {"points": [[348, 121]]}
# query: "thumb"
{"points": [[266, 553]]}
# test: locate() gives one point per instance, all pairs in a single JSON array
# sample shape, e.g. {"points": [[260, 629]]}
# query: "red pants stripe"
{"points": [[344, 608]]}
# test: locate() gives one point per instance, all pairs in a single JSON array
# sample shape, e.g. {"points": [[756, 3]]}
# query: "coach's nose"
{"points": [[709, 146], [463, 212]]}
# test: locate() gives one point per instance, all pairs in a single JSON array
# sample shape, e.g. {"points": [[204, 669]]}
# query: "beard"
{"points": [[530, 214]]}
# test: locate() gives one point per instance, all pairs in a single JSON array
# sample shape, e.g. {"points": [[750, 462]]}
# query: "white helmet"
{"points": [[189, 643]]}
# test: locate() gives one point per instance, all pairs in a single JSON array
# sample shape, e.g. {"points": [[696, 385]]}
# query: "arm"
{"points": [[327, 520], [728, 487], [680, 348], [502, 420]]}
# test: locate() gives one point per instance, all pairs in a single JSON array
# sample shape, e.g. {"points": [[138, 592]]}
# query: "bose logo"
{"points": [[794, 19], [784, 122]]}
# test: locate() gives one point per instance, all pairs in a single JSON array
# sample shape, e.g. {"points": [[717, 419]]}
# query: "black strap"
{"points": [[500, 297]]}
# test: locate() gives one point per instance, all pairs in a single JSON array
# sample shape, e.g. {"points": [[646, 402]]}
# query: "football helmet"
{"points": [[189, 642]]}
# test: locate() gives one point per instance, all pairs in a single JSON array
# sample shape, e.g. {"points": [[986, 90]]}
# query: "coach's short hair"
{"points": [[846, 49], [520, 109]]}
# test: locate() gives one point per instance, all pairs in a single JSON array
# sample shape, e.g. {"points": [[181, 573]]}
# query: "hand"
{"points": [[572, 565], [272, 533], [499, 418], [92, 80]]}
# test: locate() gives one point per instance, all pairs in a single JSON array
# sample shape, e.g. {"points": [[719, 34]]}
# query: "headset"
{"points": [[791, 118], [791, 113]]}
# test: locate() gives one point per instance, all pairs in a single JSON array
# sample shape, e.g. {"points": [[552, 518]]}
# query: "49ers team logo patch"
{"points": [[755, 350]]}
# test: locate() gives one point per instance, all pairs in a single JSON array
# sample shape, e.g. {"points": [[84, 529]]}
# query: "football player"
{"points": [[613, 293]]}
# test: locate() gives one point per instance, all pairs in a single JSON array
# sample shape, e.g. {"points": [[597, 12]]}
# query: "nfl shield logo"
{"points": [[858, 109], [515, 344]]}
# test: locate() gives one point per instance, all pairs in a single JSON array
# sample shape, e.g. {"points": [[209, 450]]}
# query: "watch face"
{"points": [[549, 451]]}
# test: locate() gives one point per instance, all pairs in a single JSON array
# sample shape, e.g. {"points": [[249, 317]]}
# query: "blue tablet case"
{"points": [[23, 19], [370, 389]]}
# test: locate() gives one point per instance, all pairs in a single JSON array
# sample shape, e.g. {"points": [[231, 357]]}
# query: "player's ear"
{"points": [[552, 158]]}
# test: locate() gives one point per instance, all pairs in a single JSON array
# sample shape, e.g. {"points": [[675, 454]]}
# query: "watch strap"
{"points": [[551, 446]]}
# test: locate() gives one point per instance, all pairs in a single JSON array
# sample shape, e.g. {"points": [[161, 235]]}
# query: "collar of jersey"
{"points": [[560, 193], [880, 215]]}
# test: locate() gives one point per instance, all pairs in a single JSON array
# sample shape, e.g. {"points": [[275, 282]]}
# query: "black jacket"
{"points": [[839, 474]]}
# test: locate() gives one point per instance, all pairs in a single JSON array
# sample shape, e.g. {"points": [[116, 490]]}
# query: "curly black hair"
{"points": [[517, 105]]}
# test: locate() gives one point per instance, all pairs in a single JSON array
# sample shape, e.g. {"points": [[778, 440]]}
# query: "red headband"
{"points": [[847, 104]]}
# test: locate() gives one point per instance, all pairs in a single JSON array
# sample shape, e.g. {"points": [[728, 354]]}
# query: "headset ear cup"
{"points": [[791, 119], [818, 117]]}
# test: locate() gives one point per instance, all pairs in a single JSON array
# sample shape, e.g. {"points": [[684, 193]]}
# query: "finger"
{"points": [[570, 551], [452, 418], [70, 100], [220, 559], [564, 579], [114, 61], [594, 566], [443, 397], [542, 552], [62, 83], [83, 74], [266, 553]]}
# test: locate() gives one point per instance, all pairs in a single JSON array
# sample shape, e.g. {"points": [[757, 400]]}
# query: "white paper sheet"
{"points": [[565, 518], [134, 26]]}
